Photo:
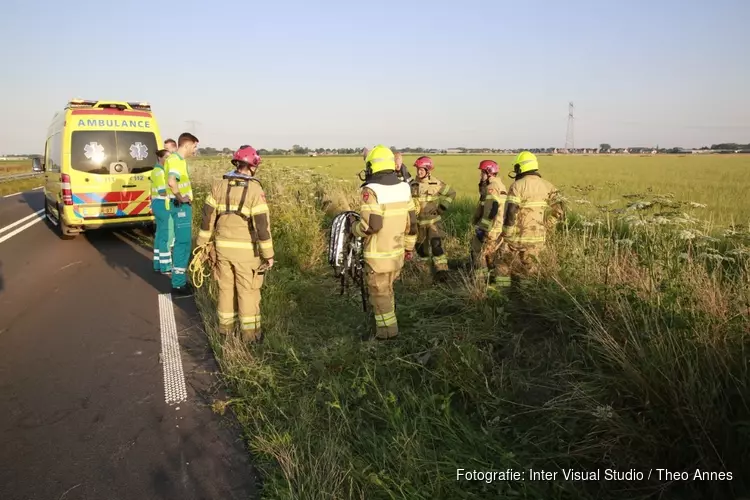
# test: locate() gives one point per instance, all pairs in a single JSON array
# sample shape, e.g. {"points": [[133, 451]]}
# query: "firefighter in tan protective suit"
{"points": [[388, 224], [488, 219], [432, 198], [237, 214], [526, 221], [401, 171]]}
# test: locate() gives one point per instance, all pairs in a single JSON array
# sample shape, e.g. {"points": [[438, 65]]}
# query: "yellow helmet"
{"points": [[379, 159], [525, 162]]}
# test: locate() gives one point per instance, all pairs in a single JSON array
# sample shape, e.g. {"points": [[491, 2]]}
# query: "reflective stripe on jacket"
{"points": [[432, 197], [526, 208], [388, 222], [177, 166], [491, 209], [242, 227]]}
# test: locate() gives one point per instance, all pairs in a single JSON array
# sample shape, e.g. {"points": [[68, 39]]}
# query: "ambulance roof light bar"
{"points": [[140, 106], [78, 103]]}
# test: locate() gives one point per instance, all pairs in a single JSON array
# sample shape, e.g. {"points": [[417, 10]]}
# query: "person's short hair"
{"points": [[186, 137], [162, 153], [170, 141]]}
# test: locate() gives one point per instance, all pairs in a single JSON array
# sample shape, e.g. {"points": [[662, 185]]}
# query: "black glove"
{"points": [[480, 234], [350, 222]]}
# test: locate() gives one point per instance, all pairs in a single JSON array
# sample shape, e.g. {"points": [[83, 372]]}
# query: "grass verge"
{"points": [[627, 353], [19, 186]]}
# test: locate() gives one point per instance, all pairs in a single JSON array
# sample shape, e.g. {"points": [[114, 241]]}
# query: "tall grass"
{"points": [[628, 351]]}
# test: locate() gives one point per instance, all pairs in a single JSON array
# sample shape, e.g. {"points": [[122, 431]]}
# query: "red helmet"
{"points": [[424, 162], [246, 154], [489, 166]]}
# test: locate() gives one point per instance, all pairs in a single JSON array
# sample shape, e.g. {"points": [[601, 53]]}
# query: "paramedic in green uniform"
{"points": [[171, 146], [160, 207], [178, 181]]}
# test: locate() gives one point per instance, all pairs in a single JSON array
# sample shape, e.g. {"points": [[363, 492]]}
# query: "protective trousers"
{"points": [[170, 233], [383, 301], [162, 251], [514, 263], [483, 256], [239, 298], [430, 244], [182, 216]]}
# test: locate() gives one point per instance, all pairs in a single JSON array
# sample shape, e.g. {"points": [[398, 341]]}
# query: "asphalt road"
{"points": [[84, 331]]}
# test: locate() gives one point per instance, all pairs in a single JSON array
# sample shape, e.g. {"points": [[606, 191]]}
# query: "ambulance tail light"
{"points": [[67, 192]]}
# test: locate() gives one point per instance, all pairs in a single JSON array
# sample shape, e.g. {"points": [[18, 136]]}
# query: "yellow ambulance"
{"points": [[98, 159]]}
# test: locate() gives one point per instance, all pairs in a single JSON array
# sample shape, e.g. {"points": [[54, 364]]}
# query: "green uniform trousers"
{"points": [[170, 233], [182, 215], [162, 251]]}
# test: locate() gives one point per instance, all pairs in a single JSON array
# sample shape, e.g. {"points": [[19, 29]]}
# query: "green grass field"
{"points": [[628, 351], [14, 167], [719, 181]]}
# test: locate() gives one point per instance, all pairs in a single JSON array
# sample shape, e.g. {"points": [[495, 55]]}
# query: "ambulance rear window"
{"points": [[95, 151]]}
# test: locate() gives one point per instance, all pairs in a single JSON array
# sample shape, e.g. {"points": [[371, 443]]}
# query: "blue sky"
{"points": [[411, 73]]}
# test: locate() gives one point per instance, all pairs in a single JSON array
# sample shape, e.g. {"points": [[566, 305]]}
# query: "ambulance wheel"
{"points": [[62, 229]]}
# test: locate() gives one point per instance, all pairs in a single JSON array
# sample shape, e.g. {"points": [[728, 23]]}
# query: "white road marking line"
{"points": [[39, 217], [2, 230], [174, 377], [40, 187], [8, 236], [14, 194]]}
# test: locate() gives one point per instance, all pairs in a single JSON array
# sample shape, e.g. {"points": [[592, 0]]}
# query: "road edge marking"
{"points": [[14, 194], [40, 187], [19, 221], [39, 215], [175, 390]]}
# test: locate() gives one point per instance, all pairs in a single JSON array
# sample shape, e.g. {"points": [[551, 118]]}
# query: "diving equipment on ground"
{"points": [[346, 254]]}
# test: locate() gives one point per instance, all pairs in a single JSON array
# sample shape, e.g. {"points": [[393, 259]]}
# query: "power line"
{"points": [[193, 125]]}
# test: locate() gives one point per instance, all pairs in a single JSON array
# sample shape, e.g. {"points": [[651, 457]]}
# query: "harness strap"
{"points": [[233, 182], [226, 198], [242, 198]]}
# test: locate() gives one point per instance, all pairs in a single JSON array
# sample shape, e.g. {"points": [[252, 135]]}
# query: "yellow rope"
{"points": [[198, 268]]}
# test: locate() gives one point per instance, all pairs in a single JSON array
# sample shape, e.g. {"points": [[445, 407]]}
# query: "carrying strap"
{"points": [[235, 181]]}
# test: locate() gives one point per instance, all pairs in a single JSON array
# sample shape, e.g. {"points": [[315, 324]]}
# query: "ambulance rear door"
{"points": [[110, 172]]}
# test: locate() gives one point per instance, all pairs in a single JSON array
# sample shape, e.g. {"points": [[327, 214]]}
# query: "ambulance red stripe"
{"points": [[122, 197], [137, 210]]}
